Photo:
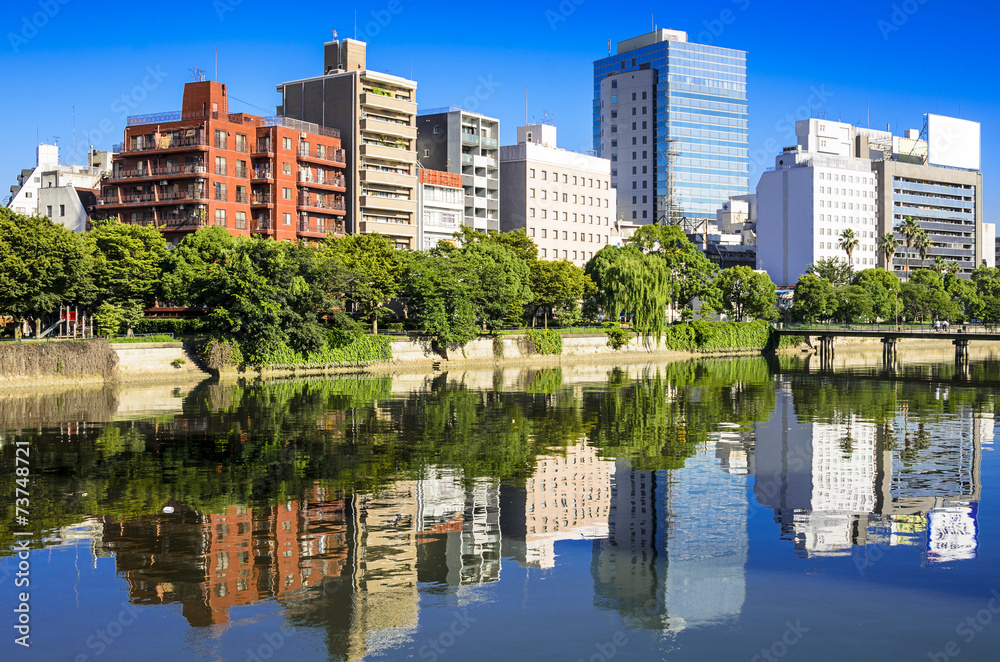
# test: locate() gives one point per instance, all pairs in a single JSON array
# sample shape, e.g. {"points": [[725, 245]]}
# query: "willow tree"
{"points": [[692, 274], [630, 281]]}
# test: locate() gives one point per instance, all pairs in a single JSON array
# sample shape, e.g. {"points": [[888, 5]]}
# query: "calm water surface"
{"points": [[719, 510]]}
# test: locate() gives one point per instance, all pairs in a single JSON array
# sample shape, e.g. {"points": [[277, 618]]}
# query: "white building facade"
{"points": [[440, 206], [563, 200]]}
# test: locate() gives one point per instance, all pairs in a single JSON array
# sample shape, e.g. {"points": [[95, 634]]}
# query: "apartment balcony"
{"points": [[159, 172], [468, 159], [395, 129], [389, 229], [264, 146], [151, 198], [261, 199], [261, 224], [319, 228], [241, 197], [388, 203], [262, 173], [240, 173], [489, 143], [470, 139], [312, 202], [337, 156], [372, 176], [314, 181], [401, 155], [388, 103], [165, 145]]}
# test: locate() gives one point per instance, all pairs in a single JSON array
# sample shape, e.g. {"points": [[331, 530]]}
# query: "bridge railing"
{"points": [[815, 329]]}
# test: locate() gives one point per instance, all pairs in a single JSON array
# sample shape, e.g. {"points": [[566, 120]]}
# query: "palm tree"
{"points": [[909, 229], [849, 242], [888, 244], [953, 268], [939, 264], [922, 242]]}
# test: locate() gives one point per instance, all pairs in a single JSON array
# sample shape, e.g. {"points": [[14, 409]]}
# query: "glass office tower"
{"points": [[661, 95]]}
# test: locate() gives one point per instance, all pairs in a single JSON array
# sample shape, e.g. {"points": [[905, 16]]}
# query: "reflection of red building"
{"points": [[212, 562]]}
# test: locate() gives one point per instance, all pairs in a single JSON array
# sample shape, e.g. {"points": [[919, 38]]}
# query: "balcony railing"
{"points": [[222, 170], [264, 146], [334, 155], [320, 203], [261, 223], [241, 197], [221, 143], [172, 143], [326, 180], [161, 171], [240, 172], [263, 173], [320, 226], [261, 199]]}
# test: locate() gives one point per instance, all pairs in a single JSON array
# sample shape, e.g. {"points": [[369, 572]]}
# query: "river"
{"points": [[744, 509]]}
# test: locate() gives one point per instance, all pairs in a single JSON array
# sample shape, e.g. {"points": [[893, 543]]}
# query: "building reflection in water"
{"points": [[676, 550], [834, 485], [349, 564]]}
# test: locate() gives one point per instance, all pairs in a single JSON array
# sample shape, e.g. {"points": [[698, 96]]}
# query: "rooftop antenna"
{"points": [[197, 74], [334, 37], [609, 48]]}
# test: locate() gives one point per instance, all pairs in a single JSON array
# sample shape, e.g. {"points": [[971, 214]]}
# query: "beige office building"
{"points": [[562, 199], [375, 113]]}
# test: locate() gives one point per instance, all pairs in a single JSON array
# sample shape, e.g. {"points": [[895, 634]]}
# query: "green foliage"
{"points": [[377, 268], [618, 337], [560, 285], [177, 327], [854, 305], [848, 243], [747, 293], [438, 289], [109, 319], [834, 270], [924, 297], [630, 281], [544, 341], [43, 265], [341, 348], [547, 381], [692, 275], [814, 299], [709, 336], [501, 286], [883, 288], [128, 265], [178, 363], [516, 241]]}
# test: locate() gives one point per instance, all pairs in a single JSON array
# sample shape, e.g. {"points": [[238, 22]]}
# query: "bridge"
{"points": [[960, 335]]}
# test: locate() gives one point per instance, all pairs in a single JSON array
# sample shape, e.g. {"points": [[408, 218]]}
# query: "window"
{"points": [[220, 217], [437, 129], [574, 236], [633, 96], [544, 233], [286, 193], [220, 191], [287, 143], [614, 84], [48, 211], [644, 124], [531, 214], [545, 194], [62, 210], [531, 232], [220, 165], [241, 220], [531, 192], [531, 173], [545, 213], [643, 95], [633, 112], [565, 197], [633, 124], [614, 98], [286, 168], [544, 175], [286, 219], [565, 235], [544, 252]]}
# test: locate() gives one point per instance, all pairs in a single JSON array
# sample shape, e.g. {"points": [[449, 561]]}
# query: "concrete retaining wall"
{"points": [[147, 361]]}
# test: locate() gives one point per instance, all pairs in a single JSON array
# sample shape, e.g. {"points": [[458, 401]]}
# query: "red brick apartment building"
{"points": [[203, 166]]}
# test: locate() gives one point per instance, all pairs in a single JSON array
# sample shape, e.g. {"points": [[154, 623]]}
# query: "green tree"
{"points": [[439, 289], [188, 269], [987, 304], [692, 275], [883, 288], [501, 284], [128, 266], [630, 281], [379, 269], [854, 304], [559, 284], [834, 270], [909, 229], [888, 245], [517, 241], [922, 242], [848, 243], [747, 293], [814, 299], [42, 265]]}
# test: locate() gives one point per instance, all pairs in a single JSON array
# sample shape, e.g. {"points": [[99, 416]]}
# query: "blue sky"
{"points": [[891, 60]]}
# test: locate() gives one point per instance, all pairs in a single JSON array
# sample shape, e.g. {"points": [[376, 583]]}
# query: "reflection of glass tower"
{"points": [[659, 94], [677, 544]]}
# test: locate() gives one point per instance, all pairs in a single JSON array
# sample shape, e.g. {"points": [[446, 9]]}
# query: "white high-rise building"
{"points": [[814, 193]]}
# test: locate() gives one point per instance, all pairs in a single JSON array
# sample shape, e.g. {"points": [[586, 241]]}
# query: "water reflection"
{"points": [[351, 503], [901, 467]]}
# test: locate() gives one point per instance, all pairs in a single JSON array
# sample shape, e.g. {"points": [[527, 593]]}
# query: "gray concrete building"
{"points": [[467, 144], [375, 113]]}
